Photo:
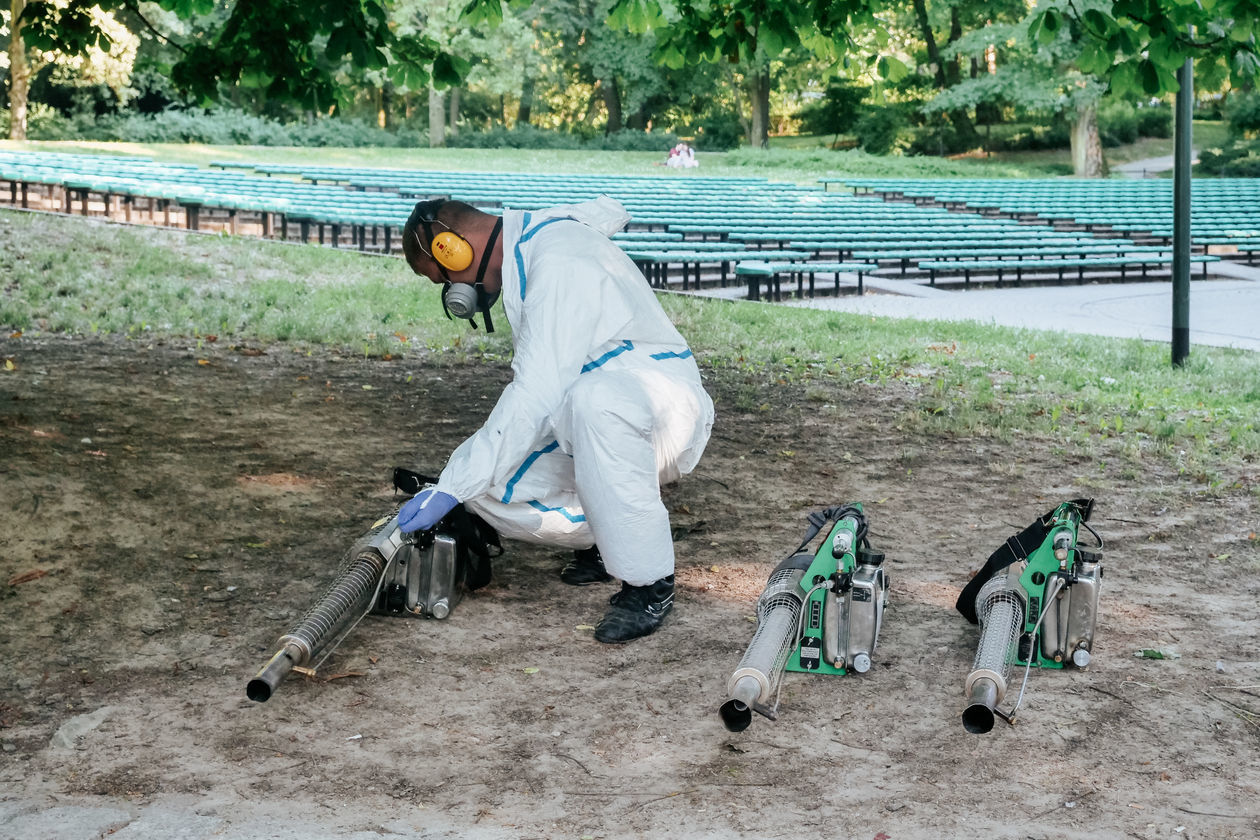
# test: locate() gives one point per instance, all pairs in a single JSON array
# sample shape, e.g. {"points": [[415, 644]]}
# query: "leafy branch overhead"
{"points": [[1140, 44], [290, 49]]}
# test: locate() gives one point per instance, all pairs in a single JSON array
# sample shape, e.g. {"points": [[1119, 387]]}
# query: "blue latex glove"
{"points": [[425, 509]]}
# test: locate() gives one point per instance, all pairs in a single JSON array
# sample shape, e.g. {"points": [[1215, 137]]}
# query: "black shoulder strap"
{"points": [[476, 537], [1015, 548], [410, 482]]}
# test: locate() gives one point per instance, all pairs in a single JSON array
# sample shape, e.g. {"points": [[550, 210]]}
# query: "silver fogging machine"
{"points": [[819, 613], [1036, 601], [386, 572]]}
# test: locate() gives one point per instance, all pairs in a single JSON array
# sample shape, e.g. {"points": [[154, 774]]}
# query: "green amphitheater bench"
{"points": [[655, 263], [1000, 267], [772, 272]]}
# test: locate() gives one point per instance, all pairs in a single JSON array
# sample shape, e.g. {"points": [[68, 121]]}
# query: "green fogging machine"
{"points": [[1036, 601], [820, 613]]}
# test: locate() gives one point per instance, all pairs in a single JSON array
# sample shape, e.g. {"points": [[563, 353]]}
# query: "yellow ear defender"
{"points": [[448, 249], [451, 251]]}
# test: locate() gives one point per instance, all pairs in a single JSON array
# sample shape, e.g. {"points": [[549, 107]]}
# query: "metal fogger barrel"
{"points": [[1000, 608], [346, 600], [820, 613], [756, 680], [1036, 601]]}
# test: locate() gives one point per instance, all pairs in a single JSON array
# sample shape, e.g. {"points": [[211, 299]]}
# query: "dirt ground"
{"points": [[167, 511]]}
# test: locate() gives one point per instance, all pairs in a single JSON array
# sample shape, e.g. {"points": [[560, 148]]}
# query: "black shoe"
{"points": [[636, 611], [586, 567]]}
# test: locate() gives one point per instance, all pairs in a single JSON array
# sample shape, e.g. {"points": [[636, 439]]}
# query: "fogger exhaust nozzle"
{"points": [[264, 683], [736, 713], [978, 717]]}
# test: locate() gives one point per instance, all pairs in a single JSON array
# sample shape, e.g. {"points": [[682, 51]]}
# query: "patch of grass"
{"points": [[86, 277], [983, 380]]}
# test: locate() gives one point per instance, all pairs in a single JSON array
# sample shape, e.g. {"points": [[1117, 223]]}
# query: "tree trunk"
{"points": [[527, 101], [759, 93], [452, 124], [437, 119], [929, 40], [958, 117], [612, 103], [952, 75], [1087, 156], [19, 73]]}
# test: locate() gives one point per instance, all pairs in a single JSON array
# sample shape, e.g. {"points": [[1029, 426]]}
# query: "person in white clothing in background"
{"points": [[605, 405]]}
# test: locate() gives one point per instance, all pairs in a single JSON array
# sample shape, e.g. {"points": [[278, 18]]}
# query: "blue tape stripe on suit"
{"points": [[540, 506], [521, 470], [626, 344], [525, 237], [686, 354]]}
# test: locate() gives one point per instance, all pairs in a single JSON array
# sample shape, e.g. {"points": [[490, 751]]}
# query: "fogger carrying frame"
{"points": [[1036, 601], [820, 613], [386, 572]]}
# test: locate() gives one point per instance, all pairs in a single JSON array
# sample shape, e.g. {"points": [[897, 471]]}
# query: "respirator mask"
{"points": [[451, 251]]}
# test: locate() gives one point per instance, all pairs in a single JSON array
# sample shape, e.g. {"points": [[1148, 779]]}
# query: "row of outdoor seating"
{"points": [[773, 272], [1001, 269]]}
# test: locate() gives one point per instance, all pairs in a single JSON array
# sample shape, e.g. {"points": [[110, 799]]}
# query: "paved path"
{"points": [[1224, 312], [1150, 167]]}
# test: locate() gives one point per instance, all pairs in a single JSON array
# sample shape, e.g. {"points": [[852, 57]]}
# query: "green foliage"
{"points": [[523, 136], [1121, 123], [809, 165], [1138, 45], [1240, 159], [1243, 114], [718, 130], [837, 111], [289, 49], [882, 129], [221, 127]]}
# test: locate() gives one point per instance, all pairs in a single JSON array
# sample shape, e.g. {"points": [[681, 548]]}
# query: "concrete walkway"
{"points": [[1151, 167], [1224, 311]]}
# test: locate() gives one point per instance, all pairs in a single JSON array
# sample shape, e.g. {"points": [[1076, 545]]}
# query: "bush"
{"points": [[43, 123], [836, 111], [218, 127], [719, 131], [881, 130], [520, 136], [1243, 114], [1155, 121], [1117, 124], [1120, 123], [630, 140], [1241, 159]]}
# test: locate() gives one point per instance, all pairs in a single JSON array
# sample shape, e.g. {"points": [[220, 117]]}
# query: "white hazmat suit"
{"points": [[605, 404]]}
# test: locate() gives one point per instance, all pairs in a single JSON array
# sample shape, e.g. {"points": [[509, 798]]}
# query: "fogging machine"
{"points": [[1036, 601], [820, 613]]}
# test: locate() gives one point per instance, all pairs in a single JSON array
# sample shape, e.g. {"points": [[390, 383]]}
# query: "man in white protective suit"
{"points": [[605, 404]]}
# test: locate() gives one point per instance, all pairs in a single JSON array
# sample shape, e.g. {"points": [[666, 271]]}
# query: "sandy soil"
{"points": [[167, 511]]}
